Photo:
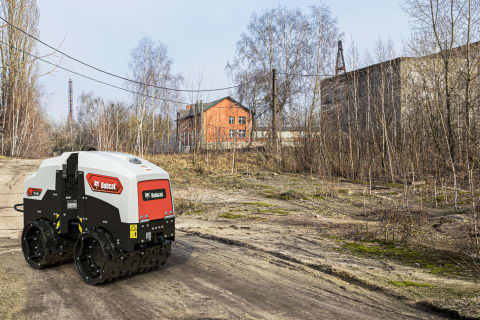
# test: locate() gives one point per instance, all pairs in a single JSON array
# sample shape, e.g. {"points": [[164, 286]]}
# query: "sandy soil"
{"points": [[269, 267]]}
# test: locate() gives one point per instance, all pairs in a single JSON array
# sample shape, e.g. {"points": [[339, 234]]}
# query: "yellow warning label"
{"points": [[133, 231]]}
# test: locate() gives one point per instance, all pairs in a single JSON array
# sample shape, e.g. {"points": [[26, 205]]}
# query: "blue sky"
{"points": [[200, 36]]}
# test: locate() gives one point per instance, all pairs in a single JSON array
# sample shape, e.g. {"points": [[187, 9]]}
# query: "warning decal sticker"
{"points": [[133, 231]]}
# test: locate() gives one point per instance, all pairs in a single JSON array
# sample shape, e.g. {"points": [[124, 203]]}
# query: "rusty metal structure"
{"points": [[340, 66]]}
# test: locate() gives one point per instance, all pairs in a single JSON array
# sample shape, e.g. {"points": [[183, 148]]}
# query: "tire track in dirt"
{"points": [[203, 279], [323, 268]]}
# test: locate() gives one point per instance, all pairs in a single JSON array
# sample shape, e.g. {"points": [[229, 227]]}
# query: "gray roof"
{"points": [[189, 113]]}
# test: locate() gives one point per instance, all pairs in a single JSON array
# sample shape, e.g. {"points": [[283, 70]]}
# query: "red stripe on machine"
{"points": [[107, 184]]}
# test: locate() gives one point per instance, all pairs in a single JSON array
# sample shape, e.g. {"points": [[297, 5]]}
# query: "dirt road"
{"points": [[206, 278]]}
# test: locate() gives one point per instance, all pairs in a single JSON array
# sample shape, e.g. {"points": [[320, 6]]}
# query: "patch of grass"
{"points": [[362, 248], [334, 237], [434, 262], [197, 212], [362, 182], [393, 185], [288, 195], [342, 191], [259, 204], [275, 211], [407, 283], [188, 208], [440, 269], [318, 196], [394, 193], [230, 215]]}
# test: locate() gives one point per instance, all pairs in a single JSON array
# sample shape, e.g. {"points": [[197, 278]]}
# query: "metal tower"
{"points": [[340, 67]]}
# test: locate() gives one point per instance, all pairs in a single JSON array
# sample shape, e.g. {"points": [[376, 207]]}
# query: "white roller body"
{"points": [[112, 164]]}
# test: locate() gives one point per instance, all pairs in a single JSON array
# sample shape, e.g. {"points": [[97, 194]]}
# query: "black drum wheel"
{"points": [[37, 242], [93, 257]]}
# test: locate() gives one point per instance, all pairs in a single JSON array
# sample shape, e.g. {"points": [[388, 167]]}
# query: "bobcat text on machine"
{"points": [[111, 212]]}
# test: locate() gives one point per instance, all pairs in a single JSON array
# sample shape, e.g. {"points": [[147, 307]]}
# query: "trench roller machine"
{"points": [[111, 213]]}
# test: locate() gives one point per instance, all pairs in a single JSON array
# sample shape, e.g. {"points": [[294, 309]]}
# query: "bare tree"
{"points": [[21, 122], [293, 43], [150, 64]]}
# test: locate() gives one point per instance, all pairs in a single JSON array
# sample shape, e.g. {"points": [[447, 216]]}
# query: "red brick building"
{"points": [[220, 122]]}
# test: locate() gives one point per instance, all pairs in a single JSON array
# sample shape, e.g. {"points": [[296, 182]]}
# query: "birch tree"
{"points": [[23, 130]]}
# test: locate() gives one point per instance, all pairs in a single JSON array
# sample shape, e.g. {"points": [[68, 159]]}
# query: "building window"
{"points": [[242, 134], [242, 120], [231, 120], [231, 133]]}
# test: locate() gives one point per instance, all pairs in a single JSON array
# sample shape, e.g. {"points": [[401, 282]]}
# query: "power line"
{"points": [[120, 77], [90, 78], [306, 75]]}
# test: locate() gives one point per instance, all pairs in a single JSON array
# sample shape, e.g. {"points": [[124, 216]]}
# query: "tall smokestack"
{"points": [[70, 101]]}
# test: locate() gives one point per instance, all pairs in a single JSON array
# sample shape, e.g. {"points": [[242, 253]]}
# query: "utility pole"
{"points": [[177, 144], [274, 111], [201, 126], [70, 111], [70, 101]]}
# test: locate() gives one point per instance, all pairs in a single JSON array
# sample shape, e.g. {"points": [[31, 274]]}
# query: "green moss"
{"points": [[275, 211], [433, 262], [440, 269], [259, 204], [410, 284], [230, 215], [194, 212]]}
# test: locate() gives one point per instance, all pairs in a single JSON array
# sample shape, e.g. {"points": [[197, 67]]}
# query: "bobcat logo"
{"points": [[99, 183], [153, 194]]}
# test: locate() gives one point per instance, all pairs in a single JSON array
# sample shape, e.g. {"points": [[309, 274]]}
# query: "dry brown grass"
{"points": [[214, 163]]}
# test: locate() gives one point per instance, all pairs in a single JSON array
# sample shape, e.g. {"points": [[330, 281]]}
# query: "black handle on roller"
{"points": [[18, 205]]}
